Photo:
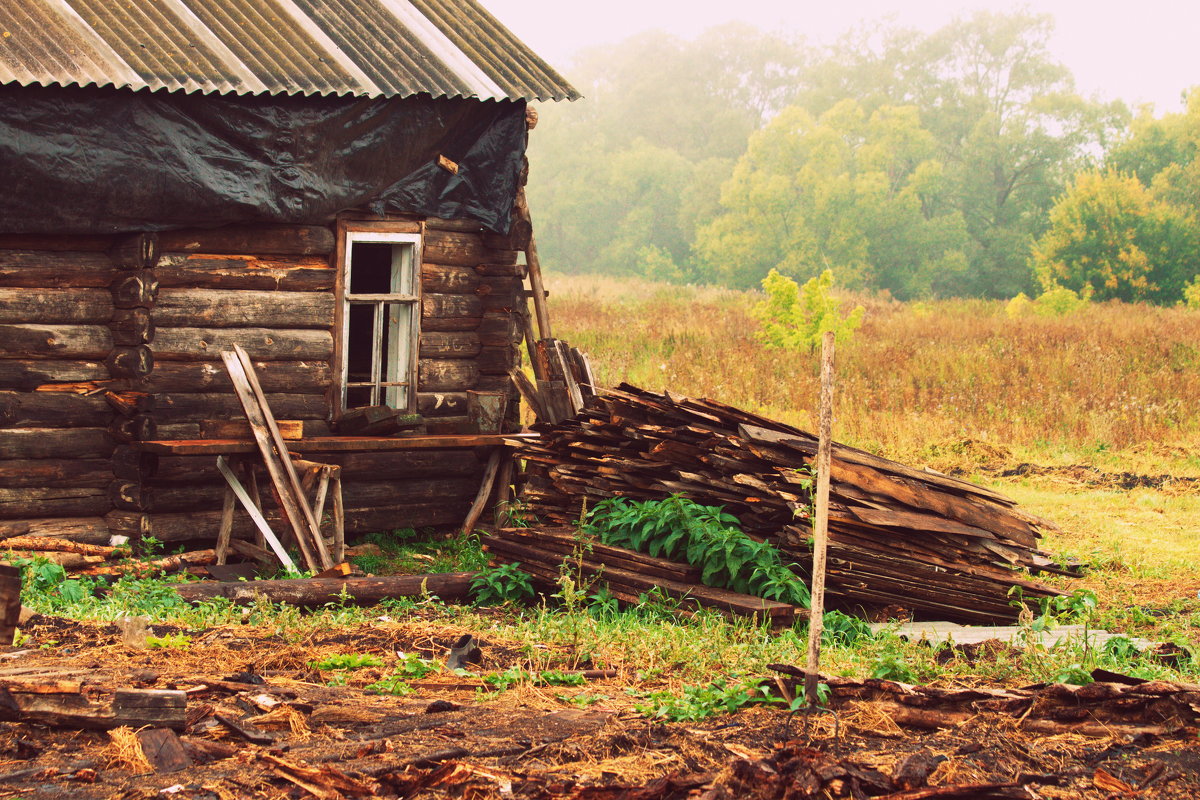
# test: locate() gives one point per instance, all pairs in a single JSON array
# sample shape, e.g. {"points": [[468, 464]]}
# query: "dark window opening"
{"points": [[380, 317]]}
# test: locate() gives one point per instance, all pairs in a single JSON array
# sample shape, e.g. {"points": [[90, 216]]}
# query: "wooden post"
{"points": [[504, 490], [535, 277], [226, 530], [485, 491], [10, 603], [820, 522]]}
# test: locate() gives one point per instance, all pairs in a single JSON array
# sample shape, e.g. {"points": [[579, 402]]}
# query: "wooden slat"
{"points": [[333, 444]]}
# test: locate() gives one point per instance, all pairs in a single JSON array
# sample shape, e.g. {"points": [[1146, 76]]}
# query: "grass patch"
{"points": [[407, 552]]}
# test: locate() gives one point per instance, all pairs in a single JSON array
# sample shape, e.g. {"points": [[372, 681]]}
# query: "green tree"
{"points": [[1110, 238], [795, 317], [622, 179], [845, 191], [1162, 152], [1009, 126]]}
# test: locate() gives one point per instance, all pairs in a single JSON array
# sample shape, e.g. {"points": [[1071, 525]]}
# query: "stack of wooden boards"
{"points": [[934, 545], [545, 552]]}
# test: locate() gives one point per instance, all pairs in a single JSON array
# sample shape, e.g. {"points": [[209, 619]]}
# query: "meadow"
{"points": [[1094, 416], [940, 382]]}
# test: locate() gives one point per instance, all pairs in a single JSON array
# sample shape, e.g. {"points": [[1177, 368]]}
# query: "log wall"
{"points": [[56, 308], [108, 341]]}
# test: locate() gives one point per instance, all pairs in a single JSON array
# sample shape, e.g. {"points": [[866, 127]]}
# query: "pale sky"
{"points": [[1139, 51]]}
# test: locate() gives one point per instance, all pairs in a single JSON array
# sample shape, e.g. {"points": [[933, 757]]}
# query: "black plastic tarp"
{"points": [[88, 160]]}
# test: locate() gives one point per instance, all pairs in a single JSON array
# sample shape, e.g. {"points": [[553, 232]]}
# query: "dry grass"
{"points": [[958, 385], [919, 380]]}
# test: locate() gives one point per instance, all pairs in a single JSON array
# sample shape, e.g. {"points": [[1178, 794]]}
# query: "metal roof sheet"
{"points": [[371, 48]]}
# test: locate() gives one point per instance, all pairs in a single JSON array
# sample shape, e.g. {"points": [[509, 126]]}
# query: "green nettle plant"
{"points": [[704, 536], [503, 584]]}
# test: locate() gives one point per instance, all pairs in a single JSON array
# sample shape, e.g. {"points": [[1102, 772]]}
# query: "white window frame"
{"points": [[397, 385]]}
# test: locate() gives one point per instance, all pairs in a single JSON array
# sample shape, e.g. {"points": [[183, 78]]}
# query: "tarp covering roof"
{"points": [[367, 48]]}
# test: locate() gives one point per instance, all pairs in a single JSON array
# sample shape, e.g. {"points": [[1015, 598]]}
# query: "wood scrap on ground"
{"points": [[279, 730], [938, 546], [1111, 704]]}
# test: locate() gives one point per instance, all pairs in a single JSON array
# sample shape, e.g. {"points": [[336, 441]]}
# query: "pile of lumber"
{"points": [[627, 574], [936, 546]]}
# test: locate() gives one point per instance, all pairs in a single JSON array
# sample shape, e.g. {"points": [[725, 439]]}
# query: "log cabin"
{"points": [[336, 187]]}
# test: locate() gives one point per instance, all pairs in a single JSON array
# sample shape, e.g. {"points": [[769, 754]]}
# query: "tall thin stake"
{"points": [[816, 617]]}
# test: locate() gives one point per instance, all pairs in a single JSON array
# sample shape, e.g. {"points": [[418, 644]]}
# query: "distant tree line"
{"points": [[958, 163]]}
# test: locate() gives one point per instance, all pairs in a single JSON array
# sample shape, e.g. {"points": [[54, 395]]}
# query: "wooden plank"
{"points": [[58, 341], [294, 274], [446, 375], [252, 508], [335, 444], [243, 308], [252, 239], [450, 587], [30, 268], [66, 501], [266, 344], [309, 526], [26, 375], [163, 750], [10, 603], [274, 453], [50, 306], [183, 377], [209, 407], [485, 491], [90, 530]]}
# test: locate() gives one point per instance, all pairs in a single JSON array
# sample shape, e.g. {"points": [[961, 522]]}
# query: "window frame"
{"points": [[379, 233]]}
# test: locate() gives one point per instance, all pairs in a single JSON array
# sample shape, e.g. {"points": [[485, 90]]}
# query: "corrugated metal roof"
{"points": [[372, 48]]}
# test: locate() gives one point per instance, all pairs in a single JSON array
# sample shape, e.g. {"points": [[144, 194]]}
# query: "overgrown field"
{"points": [[947, 383], [1091, 419]]}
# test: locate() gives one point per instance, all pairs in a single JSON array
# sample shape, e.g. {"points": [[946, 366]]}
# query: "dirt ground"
{"points": [[451, 738]]}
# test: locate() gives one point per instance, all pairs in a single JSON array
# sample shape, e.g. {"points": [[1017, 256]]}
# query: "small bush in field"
{"points": [[795, 317], [1059, 302], [1054, 302], [1191, 293]]}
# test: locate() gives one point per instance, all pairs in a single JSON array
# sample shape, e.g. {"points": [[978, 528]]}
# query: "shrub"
{"points": [[503, 584], [795, 318], [1057, 301], [1191, 293], [704, 536]]}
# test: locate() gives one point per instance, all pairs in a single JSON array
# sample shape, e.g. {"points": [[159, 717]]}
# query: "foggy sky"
{"points": [[1140, 51]]}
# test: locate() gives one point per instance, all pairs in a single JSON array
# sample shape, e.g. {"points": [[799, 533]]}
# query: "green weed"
{"points": [[346, 661], [503, 584], [696, 703], [172, 642], [706, 537]]}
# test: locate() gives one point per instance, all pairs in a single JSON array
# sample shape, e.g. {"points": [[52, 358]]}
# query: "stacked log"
{"points": [[934, 545], [471, 301], [56, 314]]}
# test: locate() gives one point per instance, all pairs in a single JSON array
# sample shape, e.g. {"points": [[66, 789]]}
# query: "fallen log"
{"points": [[175, 563], [448, 586], [65, 706]]}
